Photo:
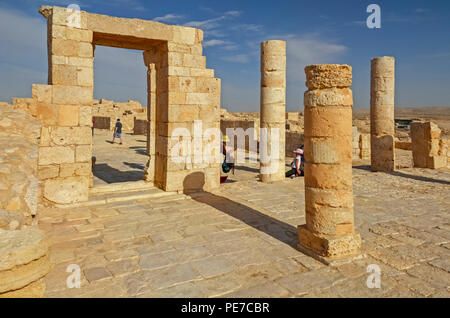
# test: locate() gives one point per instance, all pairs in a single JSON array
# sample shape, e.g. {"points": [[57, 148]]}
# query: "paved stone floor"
{"points": [[115, 162], [240, 241]]}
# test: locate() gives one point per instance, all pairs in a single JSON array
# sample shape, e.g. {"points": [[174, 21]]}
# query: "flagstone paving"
{"points": [[241, 241]]}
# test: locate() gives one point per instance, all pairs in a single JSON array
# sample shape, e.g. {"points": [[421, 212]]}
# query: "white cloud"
{"points": [[169, 18], [247, 27], [238, 58], [233, 13], [215, 42], [214, 22]]}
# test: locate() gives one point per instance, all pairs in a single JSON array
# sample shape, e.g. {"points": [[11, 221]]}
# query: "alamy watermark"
{"points": [[374, 19]]}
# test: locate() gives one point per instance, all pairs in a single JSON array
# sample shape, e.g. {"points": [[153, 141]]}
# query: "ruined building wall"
{"points": [[126, 112], [429, 150]]}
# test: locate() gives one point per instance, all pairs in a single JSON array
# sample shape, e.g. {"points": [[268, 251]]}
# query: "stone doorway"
{"points": [[114, 70], [185, 91]]}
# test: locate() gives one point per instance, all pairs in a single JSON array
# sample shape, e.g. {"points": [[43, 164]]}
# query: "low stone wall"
{"points": [[126, 112]]}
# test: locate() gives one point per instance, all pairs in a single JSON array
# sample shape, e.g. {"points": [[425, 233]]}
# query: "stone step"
{"points": [[124, 196], [121, 187]]}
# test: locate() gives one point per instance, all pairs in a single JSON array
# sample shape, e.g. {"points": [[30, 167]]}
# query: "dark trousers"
{"points": [[293, 172]]}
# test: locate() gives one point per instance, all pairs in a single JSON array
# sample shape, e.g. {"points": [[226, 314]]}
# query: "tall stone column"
{"points": [[329, 233], [273, 109], [149, 173], [382, 126]]}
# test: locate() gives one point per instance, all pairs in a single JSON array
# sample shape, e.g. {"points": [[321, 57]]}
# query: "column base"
{"points": [[330, 250]]}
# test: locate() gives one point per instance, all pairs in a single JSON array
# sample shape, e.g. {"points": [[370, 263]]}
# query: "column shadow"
{"points": [[279, 230], [418, 178]]}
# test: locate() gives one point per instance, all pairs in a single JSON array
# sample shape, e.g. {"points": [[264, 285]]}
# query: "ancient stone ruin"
{"points": [[273, 109], [429, 150], [382, 127], [24, 259], [329, 233], [186, 91]]}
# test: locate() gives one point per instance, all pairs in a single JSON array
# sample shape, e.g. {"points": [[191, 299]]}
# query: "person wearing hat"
{"points": [[296, 165]]}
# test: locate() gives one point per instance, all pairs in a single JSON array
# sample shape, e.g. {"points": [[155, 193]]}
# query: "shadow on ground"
{"points": [[193, 185], [111, 175], [418, 178]]}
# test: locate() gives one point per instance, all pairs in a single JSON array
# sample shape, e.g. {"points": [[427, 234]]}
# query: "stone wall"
{"points": [[429, 150], [19, 185], [126, 112]]}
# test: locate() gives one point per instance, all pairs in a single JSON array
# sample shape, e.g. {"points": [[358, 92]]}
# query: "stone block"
{"points": [[56, 155], [85, 76], [47, 114], [42, 93], [72, 95], [321, 76], [68, 115], [79, 35], [67, 190], [195, 61], [329, 97], [83, 153], [85, 113], [64, 75], [74, 169], [184, 35], [63, 136], [48, 172], [329, 246]]}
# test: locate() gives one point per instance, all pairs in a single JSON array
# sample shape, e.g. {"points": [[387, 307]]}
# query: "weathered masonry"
{"points": [[180, 88], [329, 233]]}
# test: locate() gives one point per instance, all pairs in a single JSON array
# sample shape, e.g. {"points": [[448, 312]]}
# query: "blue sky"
{"points": [[415, 32]]}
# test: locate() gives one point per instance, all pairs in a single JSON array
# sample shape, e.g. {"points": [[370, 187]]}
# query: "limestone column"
{"points": [[149, 173], [273, 109], [382, 126], [329, 233]]}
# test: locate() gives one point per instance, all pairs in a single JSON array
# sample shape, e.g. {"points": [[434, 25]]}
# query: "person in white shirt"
{"points": [[296, 165]]}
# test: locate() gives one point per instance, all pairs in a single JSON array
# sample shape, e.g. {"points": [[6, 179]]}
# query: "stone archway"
{"points": [[185, 91]]}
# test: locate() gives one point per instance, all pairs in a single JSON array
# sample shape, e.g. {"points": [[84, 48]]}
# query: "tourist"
{"points": [[118, 131], [296, 165], [93, 123]]}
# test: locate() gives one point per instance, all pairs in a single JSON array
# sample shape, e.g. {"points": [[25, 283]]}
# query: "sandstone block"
{"points": [[63, 136], [83, 153], [42, 93], [56, 155], [329, 97], [67, 115], [66, 190], [328, 75], [72, 95]]}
